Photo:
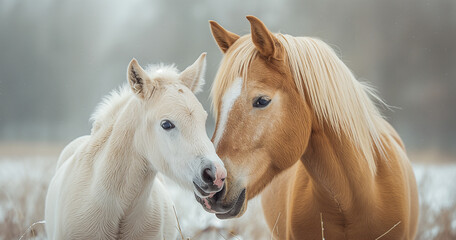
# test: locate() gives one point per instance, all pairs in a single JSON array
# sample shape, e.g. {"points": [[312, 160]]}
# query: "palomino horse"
{"points": [[292, 117], [105, 186]]}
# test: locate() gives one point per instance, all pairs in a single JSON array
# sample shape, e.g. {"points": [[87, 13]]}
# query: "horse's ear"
{"points": [[193, 75], [223, 37], [137, 78], [266, 43]]}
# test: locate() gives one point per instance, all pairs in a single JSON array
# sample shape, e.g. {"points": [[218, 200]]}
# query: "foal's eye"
{"points": [[261, 102], [167, 125]]}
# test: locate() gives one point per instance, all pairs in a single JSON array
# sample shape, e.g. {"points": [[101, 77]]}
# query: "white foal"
{"points": [[105, 185]]}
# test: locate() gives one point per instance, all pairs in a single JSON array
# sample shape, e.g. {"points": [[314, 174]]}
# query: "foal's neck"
{"points": [[122, 170], [337, 170]]}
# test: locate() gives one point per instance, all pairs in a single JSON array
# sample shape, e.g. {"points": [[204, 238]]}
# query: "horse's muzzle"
{"points": [[217, 204]]}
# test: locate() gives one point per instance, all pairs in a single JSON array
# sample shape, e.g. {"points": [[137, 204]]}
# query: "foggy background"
{"points": [[58, 58]]}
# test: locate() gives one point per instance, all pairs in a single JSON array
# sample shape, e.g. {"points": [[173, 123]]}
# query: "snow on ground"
{"points": [[437, 189], [440, 184], [23, 184]]}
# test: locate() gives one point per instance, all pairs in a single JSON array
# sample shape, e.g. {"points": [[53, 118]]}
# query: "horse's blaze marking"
{"points": [[228, 100]]}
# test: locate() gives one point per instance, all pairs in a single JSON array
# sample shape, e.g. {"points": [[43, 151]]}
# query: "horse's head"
{"points": [[257, 103], [172, 133]]}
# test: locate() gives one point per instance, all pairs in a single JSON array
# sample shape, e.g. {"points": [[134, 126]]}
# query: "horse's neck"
{"points": [[337, 170], [120, 170]]}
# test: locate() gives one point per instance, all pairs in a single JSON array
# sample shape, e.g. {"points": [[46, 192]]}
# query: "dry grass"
{"points": [[23, 185], [439, 225], [436, 223], [389, 230]]}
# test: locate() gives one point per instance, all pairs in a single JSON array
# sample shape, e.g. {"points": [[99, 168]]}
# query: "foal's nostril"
{"points": [[208, 176]]}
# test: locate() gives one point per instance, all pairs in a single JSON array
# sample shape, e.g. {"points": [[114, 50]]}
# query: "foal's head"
{"points": [[172, 133]]}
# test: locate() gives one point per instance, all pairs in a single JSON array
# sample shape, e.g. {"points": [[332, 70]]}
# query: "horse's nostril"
{"points": [[208, 175]]}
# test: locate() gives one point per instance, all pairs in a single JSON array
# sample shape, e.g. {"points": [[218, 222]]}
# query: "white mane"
{"points": [[111, 104]]}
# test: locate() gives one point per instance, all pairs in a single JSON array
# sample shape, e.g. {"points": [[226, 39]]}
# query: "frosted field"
{"points": [[23, 184]]}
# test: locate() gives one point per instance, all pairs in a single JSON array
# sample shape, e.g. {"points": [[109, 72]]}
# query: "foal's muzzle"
{"points": [[210, 180]]}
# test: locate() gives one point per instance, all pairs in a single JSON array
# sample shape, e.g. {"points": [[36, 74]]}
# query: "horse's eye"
{"points": [[261, 102], [167, 125]]}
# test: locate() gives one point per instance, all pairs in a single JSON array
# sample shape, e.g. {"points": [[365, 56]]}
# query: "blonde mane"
{"points": [[335, 95]]}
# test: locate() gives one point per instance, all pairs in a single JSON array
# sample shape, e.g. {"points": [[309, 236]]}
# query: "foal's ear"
{"points": [[193, 75], [137, 78], [223, 37], [266, 43]]}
